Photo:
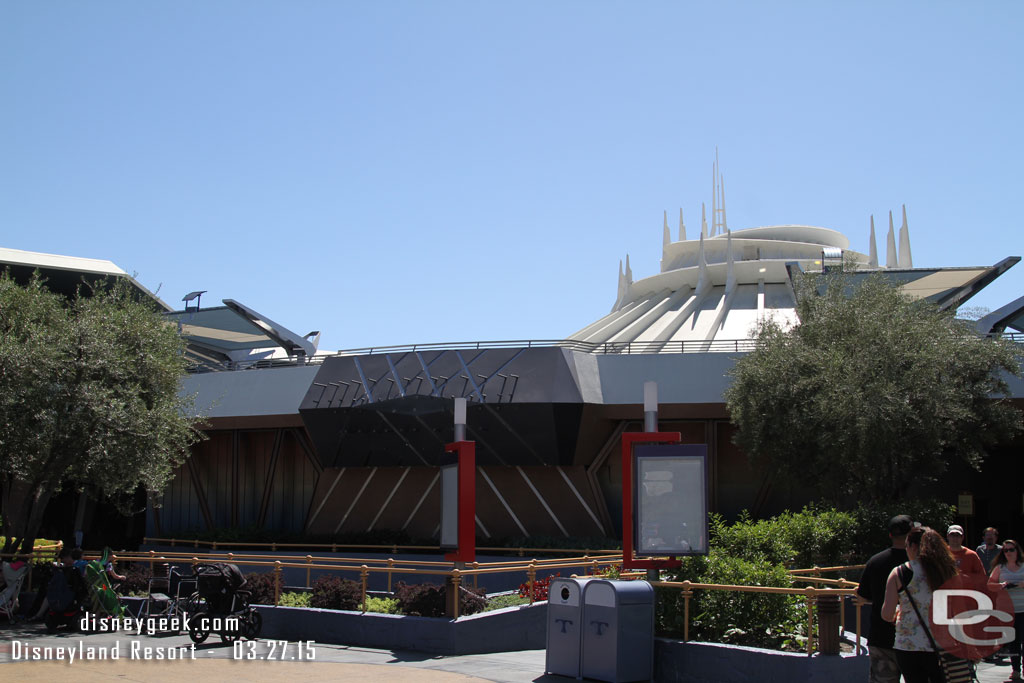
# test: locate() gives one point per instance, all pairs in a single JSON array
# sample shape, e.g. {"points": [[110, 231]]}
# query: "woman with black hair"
{"points": [[1008, 573], [912, 584]]}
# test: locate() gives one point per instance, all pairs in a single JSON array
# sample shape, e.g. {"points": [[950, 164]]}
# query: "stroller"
{"points": [[74, 594], [65, 593], [223, 605], [103, 600]]}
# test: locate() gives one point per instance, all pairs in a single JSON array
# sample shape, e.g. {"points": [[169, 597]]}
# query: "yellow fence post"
{"points": [[810, 591], [277, 583], [476, 577], [531, 575], [456, 578], [391, 563], [364, 573], [309, 560], [687, 594]]}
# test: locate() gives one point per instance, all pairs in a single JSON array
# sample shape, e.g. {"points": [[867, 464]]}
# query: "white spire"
{"points": [[703, 222], [725, 224], [620, 297], [905, 260], [872, 249], [714, 195], [682, 227], [702, 268], [890, 247], [666, 237], [730, 268], [629, 272]]}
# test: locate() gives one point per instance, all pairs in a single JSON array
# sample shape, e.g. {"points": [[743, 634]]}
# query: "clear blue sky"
{"points": [[393, 172]]}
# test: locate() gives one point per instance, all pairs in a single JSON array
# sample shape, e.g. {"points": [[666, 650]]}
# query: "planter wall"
{"points": [[507, 630]]}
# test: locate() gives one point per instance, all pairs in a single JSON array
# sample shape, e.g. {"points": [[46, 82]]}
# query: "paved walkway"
{"points": [[260, 660], [265, 660]]}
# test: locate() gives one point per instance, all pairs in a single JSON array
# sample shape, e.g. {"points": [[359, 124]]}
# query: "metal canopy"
{"points": [[1009, 316], [234, 331]]}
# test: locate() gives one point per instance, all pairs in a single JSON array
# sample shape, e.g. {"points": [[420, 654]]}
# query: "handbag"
{"points": [[954, 669]]}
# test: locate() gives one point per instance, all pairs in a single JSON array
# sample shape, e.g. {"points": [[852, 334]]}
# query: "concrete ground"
{"points": [[264, 660], [259, 660]]}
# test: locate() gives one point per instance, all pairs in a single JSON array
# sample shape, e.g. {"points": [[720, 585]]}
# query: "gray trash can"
{"points": [[565, 616], [618, 631]]}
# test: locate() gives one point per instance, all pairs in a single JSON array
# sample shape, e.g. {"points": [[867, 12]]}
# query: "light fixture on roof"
{"points": [[197, 296]]}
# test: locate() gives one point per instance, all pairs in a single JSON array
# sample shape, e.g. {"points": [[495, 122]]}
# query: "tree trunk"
{"points": [[23, 505]]}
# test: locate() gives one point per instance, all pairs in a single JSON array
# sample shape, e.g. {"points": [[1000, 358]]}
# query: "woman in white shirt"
{"points": [[1008, 573], [932, 565]]}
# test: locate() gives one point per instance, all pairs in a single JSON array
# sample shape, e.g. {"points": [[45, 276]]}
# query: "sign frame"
{"points": [[465, 463], [679, 452]]}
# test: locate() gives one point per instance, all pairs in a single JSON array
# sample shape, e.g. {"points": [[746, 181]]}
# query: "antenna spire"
{"points": [[666, 237], [872, 249], [718, 222], [702, 267], [905, 260], [730, 268], [890, 247], [682, 227]]}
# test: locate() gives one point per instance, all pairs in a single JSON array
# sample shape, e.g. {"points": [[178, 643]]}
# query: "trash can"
{"points": [[565, 615], [618, 631]]}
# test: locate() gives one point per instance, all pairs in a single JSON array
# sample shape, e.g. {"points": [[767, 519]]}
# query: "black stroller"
{"points": [[222, 604]]}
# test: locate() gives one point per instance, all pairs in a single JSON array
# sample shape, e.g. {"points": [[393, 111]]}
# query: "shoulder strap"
{"points": [[904, 573], [913, 603]]}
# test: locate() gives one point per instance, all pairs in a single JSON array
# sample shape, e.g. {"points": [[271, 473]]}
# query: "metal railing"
{"points": [[813, 596], [835, 589], [390, 567], [617, 348]]}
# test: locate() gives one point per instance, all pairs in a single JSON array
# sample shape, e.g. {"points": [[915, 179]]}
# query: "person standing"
{"points": [[967, 561], [1008, 573], [989, 550], [910, 586], [884, 668]]}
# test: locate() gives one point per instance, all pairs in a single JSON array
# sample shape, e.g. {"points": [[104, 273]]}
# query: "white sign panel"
{"points": [[450, 506], [671, 513]]}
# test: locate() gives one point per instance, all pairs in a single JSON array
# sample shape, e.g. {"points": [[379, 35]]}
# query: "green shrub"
{"points": [[295, 599], [872, 534], [507, 600], [382, 605], [756, 541], [815, 536], [819, 537], [753, 619]]}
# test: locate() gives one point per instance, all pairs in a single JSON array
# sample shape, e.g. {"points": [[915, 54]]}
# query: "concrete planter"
{"points": [[506, 630], [717, 663]]}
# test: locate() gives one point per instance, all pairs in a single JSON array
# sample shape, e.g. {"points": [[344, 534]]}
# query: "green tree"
{"points": [[870, 391], [89, 397]]}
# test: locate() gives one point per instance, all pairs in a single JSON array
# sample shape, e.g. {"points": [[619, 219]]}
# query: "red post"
{"points": [[628, 440], [466, 450]]}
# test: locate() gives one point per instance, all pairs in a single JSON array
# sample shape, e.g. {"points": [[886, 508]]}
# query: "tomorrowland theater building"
{"points": [[330, 444]]}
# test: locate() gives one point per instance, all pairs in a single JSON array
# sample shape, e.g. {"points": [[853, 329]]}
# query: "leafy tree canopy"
{"points": [[870, 391], [89, 397]]}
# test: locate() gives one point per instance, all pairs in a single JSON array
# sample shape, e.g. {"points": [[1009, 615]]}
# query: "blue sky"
{"points": [[397, 172]]}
